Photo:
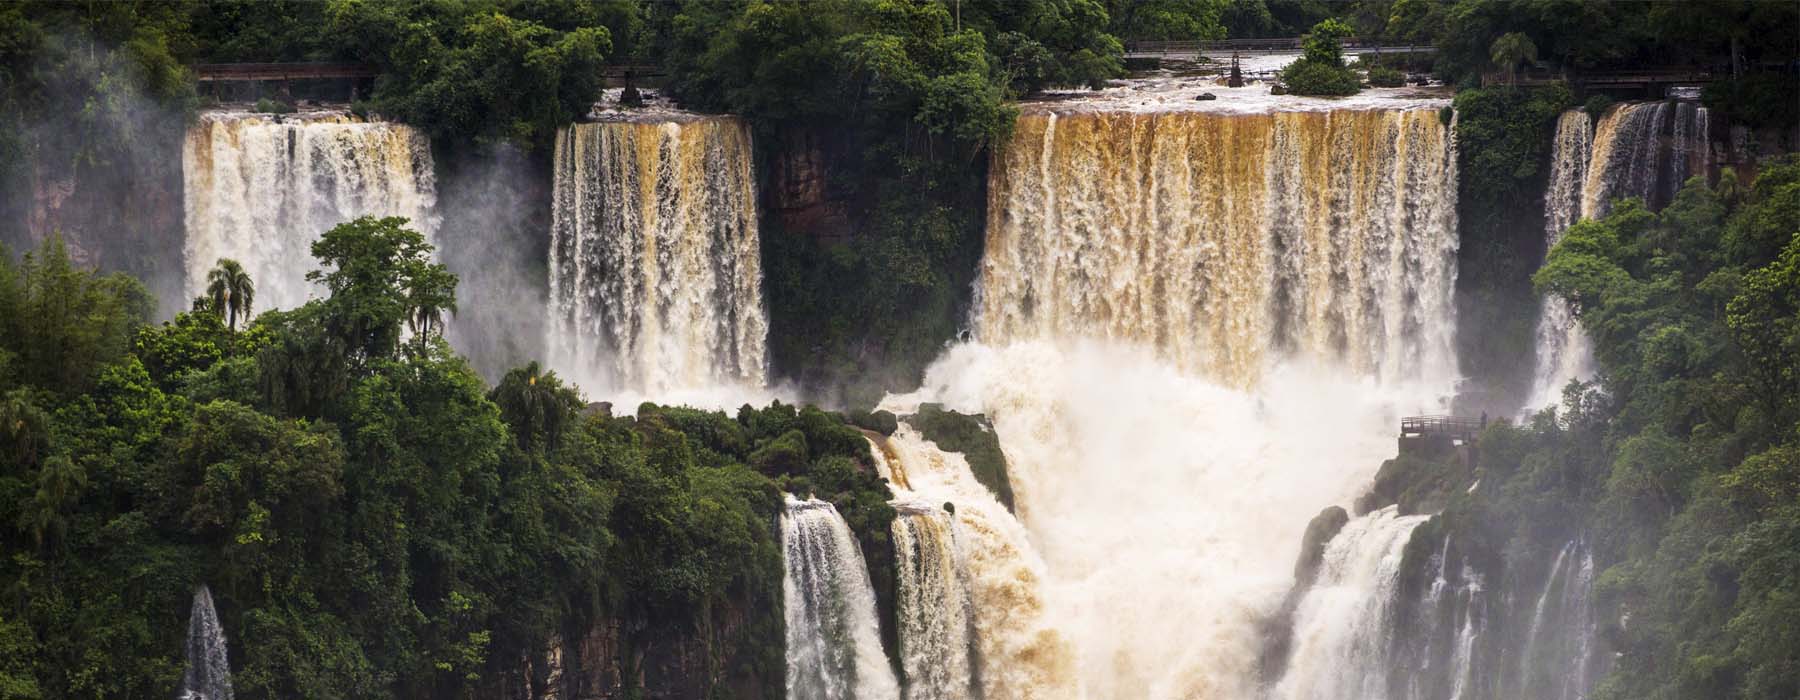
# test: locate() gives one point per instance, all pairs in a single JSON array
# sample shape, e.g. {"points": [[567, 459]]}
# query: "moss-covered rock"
{"points": [[971, 435], [1422, 479]]}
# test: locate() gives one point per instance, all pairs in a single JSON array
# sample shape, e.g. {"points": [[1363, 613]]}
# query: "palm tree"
{"points": [[430, 294], [1509, 51], [535, 404], [231, 291]]}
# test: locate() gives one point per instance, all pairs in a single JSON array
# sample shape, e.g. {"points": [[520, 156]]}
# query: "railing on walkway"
{"points": [[1453, 426]]}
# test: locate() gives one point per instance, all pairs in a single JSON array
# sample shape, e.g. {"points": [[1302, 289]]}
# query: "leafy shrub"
{"points": [[1598, 104], [269, 106], [1757, 100], [1310, 78], [1383, 76]]}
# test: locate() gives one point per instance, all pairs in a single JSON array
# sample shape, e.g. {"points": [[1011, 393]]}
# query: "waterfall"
{"points": [[1229, 241], [1640, 149], [972, 605], [1645, 150], [208, 674], [260, 189], [833, 639], [1563, 350], [1342, 629], [1194, 330], [932, 606], [655, 272], [1558, 652]]}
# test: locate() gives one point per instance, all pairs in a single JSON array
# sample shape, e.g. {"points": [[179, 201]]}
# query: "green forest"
{"points": [[382, 521]]}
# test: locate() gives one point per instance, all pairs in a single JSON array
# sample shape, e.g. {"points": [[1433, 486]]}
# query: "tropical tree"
{"points": [[1510, 50], [535, 404], [231, 291]]}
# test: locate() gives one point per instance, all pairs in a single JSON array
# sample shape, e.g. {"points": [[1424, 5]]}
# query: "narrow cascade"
{"points": [[1639, 149], [933, 606], [1563, 350], [260, 189], [1438, 650], [833, 639], [655, 268], [1229, 241], [1558, 652], [1342, 630], [208, 674], [972, 612]]}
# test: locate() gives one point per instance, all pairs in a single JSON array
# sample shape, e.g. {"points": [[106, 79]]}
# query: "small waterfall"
{"points": [[1228, 241], [1640, 149], [208, 666], [1563, 350], [1557, 652], [933, 606], [655, 267], [1645, 150], [260, 189], [972, 612], [1343, 628], [833, 638]]}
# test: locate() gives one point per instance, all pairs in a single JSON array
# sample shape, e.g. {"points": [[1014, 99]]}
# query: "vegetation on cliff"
{"points": [[376, 520], [1681, 467]]}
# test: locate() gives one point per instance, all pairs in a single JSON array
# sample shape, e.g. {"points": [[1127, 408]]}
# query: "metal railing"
{"points": [[1458, 426]]}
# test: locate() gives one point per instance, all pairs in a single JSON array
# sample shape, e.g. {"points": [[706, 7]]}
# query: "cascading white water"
{"points": [[997, 573], [1640, 149], [208, 674], [833, 637], [1563, 350], [1229, 241], [260, 189], [1645, 150], [655, 261], [1195, 330], [1558, 652], [1341, 643], [932, 606]]}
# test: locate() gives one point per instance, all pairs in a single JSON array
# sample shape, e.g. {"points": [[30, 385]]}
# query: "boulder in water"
{"points": [[1206, 96]]}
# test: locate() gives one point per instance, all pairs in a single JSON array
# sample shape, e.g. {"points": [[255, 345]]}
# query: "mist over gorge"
{"points": [[860, 349]]}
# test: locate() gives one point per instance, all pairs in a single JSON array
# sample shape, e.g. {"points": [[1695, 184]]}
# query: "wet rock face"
{"points": [[723, 654], [1278, 630], [120, 212], [800, 194], [1323, 527]]}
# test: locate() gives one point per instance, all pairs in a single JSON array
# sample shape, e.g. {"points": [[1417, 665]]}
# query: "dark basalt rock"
{"points": [[1278, 630]]}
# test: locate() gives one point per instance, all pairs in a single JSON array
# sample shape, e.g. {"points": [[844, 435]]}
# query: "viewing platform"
{"points": [[1455, 427]]}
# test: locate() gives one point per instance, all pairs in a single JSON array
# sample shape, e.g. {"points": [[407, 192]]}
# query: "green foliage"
{"points": [[1683, 473], [1165, 20], [486, 71], [974, 438], [269, 106], [1320, 69], [1503, 150], [1383, 76], [898, 103], [381, 277], [60, 324]]}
